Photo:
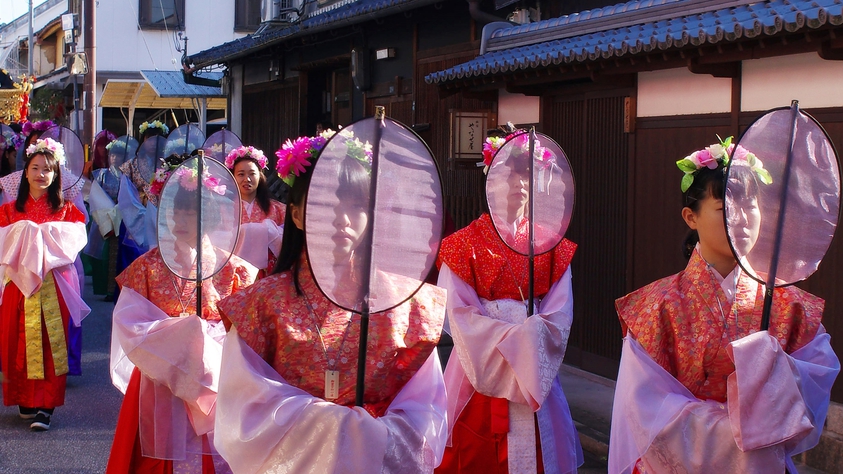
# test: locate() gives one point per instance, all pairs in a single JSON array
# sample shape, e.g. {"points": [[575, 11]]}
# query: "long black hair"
{"points": [[292, 241], [353, 184], [712, 182], [262, 195], [54, 191]]}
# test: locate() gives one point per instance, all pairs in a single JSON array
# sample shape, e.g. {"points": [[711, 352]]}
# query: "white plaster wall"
{"points": [[517, 108], [774, 82], [680, 92], [40, 21], [121, 46]]}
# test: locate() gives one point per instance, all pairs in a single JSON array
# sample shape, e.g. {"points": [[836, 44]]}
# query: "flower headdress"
{"points": [[161, 174], [11, 140], [493, 143], [295, 155], [716, 155], [185, 174], [358, 150], [245, 152], [154, 124], [47, 144], [41, 126], [187, 179], [112, 143]]}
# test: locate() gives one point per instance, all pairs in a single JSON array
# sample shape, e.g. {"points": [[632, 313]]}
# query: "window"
{"points": [[247, 15], [161, 14]]}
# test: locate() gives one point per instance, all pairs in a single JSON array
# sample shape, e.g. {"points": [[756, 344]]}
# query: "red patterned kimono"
{"points": [[150, 278], [20, 387], [253, 214], [277, 325], [678, 321], [479, 258], [687, 325]]}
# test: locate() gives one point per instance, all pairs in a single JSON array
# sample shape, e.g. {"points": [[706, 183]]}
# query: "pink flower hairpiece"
{"points": [[544, 157], [245, 152], [717, 155], [295, 155], [187, 179], [47, 144], [186, 176], [40, 126]]}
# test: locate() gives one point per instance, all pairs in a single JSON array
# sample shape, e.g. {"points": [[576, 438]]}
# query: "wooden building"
{"points": [[626, 90]]}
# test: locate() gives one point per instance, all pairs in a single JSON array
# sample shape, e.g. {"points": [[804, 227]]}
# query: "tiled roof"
{"points": [[638, 27], [170, 84], [344, 12]]}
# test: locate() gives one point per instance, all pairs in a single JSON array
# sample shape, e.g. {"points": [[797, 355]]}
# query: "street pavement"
{"points": [[81, 431]]}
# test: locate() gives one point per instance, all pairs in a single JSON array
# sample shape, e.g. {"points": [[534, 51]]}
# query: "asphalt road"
{"points": [[81, 431]]}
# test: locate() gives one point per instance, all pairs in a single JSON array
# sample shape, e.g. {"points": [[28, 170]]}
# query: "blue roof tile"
{"points": [[639, 27]]}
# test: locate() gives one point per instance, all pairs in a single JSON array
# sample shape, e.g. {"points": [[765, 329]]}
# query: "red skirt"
{"points": [[125, 456], [479, 439], [18, 388]]}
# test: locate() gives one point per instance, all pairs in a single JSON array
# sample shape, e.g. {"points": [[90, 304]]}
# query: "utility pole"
{"points": [[90, 84], [31, 43]]}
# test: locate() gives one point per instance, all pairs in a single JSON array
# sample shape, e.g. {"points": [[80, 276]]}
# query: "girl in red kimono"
{"points": [[41, 236], [165, 357], [703, 389], [287, 392], [506, 409], [261, 217]]}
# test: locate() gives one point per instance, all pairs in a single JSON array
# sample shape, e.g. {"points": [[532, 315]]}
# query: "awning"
{"points": [[161, 90]]}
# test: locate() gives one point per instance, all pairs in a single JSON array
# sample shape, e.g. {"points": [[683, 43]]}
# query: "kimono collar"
{"points": [[729, 283]]}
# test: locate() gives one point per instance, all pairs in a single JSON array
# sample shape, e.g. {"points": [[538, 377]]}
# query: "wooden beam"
{"points": [[735, 115], [828, 52], [485, 95], [729, 69]]}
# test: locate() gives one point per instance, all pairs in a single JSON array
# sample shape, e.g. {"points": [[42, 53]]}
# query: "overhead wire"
{"points": [[143, 37], [167, 29]]}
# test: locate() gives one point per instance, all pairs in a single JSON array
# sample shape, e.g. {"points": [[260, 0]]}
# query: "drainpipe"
{"points": [[492, 23], [480, 16]]}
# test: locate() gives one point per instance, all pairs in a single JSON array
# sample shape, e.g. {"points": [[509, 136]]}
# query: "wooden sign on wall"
{"points": [[468, 132]]}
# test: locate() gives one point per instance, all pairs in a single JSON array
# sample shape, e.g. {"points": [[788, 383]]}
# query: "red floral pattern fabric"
{"points": [[276, 323], [150, 277], [477, 255], [19, 389], [679, 321], [39, 212]]}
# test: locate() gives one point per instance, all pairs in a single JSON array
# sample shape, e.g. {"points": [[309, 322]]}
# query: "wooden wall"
{"points": [[464, 187], [658, 229], [270, 115], [589, 128], [826, 282]]}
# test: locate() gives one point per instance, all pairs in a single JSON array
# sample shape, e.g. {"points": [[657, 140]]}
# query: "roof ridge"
{"points": [[606, 18]]}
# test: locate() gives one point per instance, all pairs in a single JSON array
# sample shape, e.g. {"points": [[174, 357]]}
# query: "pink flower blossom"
{"points": [[187, 179], [706, 159], [293, 157], [245, 152]]}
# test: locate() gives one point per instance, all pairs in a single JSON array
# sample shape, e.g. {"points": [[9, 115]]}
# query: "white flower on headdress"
{"points": [[47, 144], [717, 151]]}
